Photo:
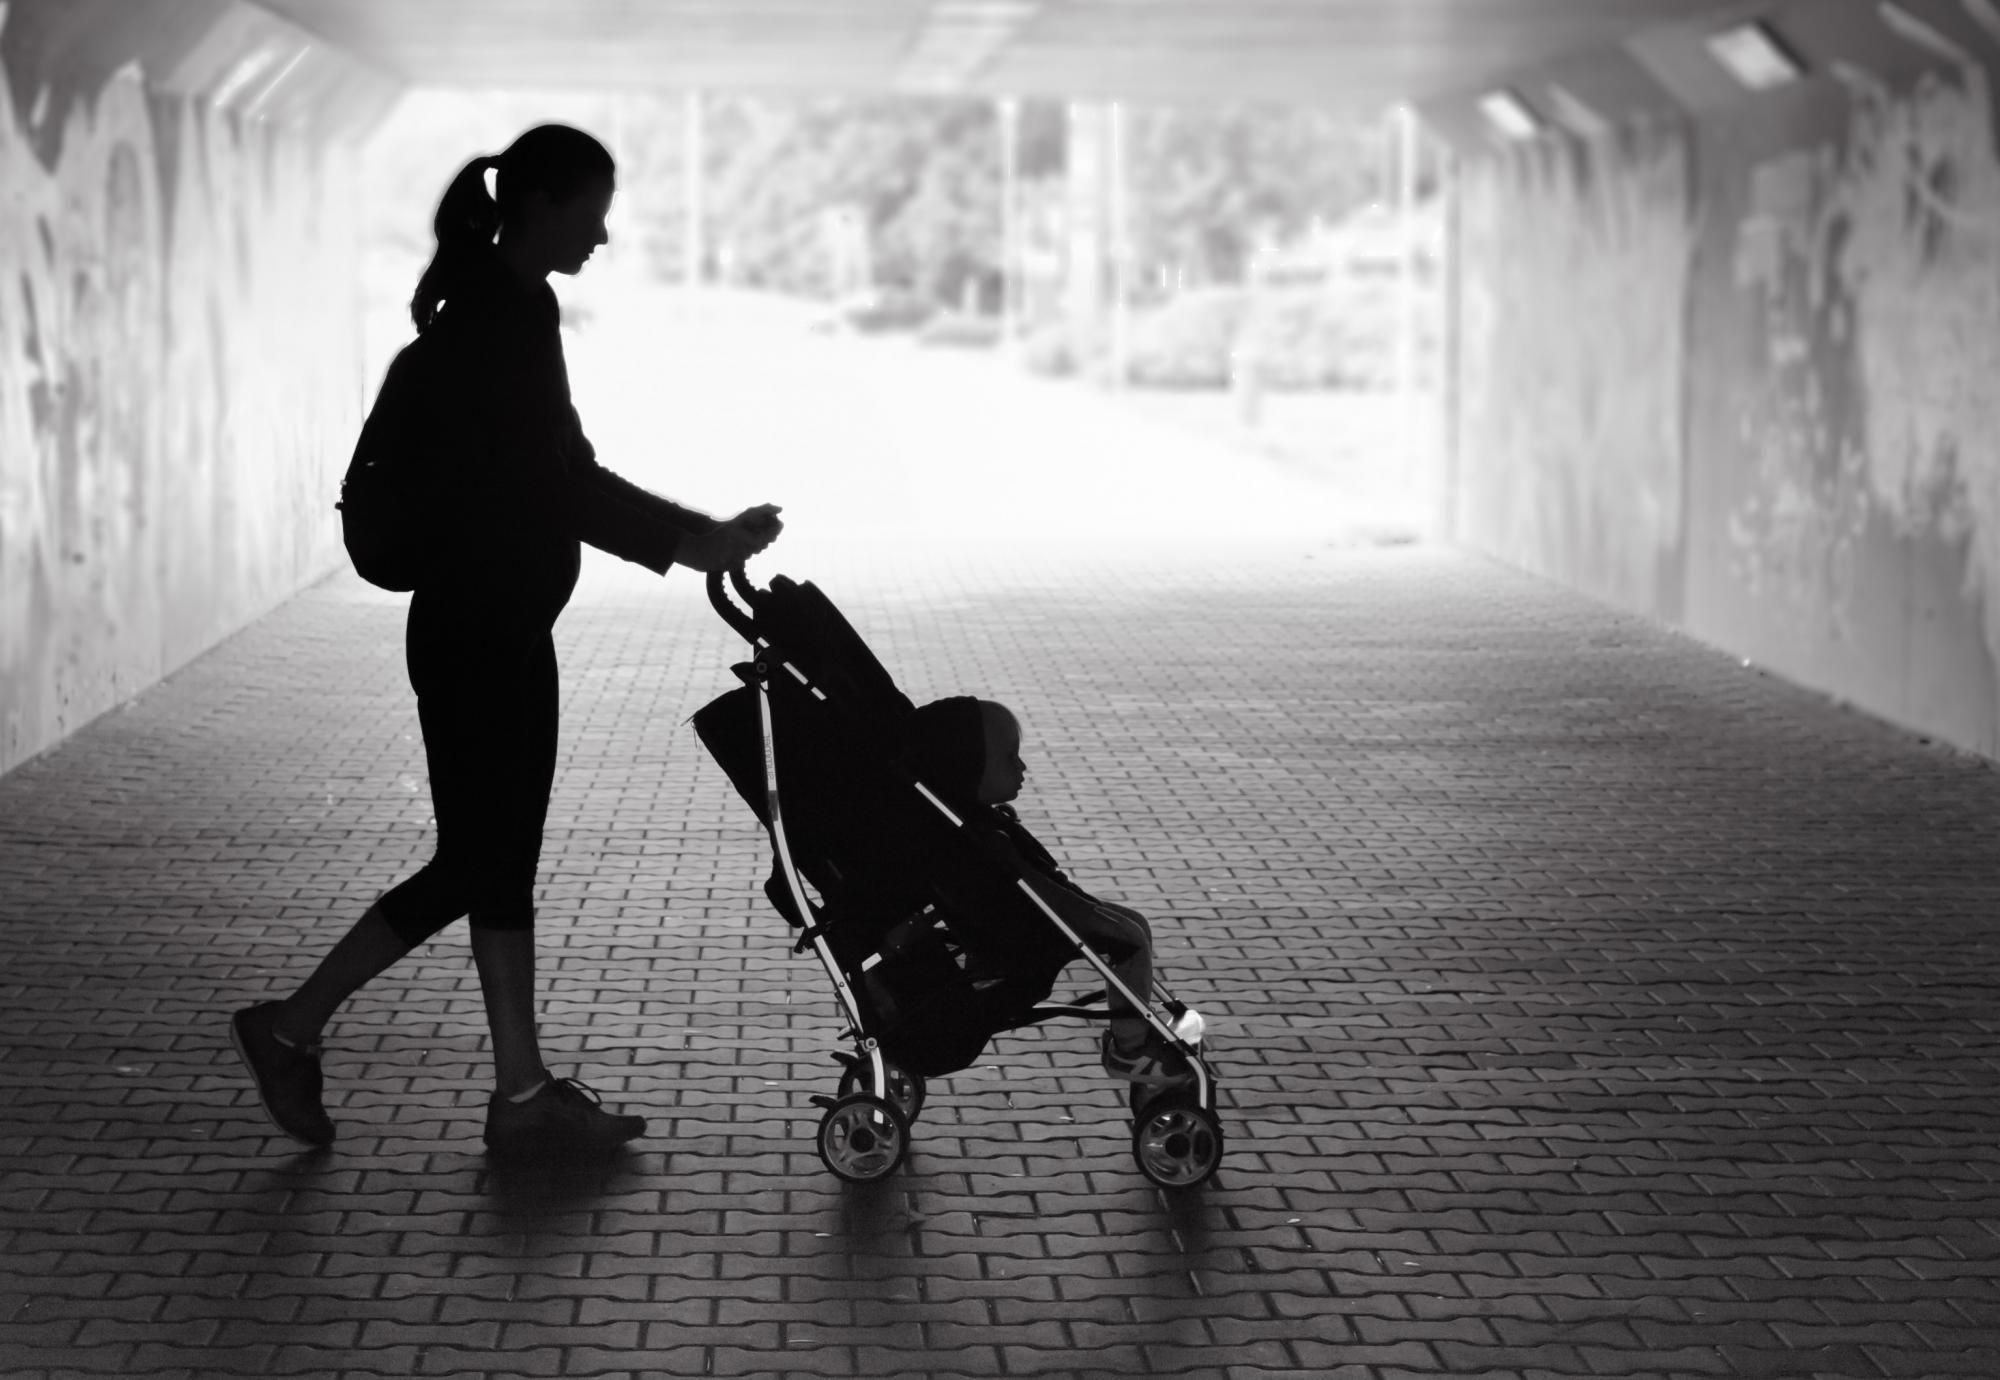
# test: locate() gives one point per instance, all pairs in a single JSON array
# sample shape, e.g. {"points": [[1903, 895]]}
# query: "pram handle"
{"points": [[732, 615]]}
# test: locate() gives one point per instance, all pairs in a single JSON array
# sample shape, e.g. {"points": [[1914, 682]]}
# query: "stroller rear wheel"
{"points": [[863, 1138], [1176, 1141], [906, 1089]]}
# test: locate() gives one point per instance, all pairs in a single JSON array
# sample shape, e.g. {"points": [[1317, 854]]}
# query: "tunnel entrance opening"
{"points": [[912, 318]]}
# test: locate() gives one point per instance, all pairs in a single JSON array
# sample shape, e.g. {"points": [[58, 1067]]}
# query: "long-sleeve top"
{"points": [[520, 484]]}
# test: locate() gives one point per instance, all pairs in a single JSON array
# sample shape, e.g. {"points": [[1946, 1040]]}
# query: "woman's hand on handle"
{"points": [[731, 543], [761, 519]]}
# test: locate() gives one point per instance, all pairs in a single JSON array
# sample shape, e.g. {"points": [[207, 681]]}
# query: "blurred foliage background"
{"points": [[1256, 237]]}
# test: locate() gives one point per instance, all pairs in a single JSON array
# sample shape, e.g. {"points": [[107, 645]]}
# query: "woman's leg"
{"points": [[402, 918], [487, 698], [366, 950], [506, 963], [279, 1040], [531, 1113], [522, 764]]}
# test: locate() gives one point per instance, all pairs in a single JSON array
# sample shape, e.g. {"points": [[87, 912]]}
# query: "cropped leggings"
{"points": [[487, 702]]}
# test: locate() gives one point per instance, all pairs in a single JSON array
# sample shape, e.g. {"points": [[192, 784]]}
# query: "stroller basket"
{"points": [[932, 948]]}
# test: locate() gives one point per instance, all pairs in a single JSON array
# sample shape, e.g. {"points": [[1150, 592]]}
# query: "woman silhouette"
{"points": [[520, 490]]}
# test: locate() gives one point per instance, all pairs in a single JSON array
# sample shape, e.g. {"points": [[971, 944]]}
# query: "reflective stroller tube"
{"points": [[879, 1075]]}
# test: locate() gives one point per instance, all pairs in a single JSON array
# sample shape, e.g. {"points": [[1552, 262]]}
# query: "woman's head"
{"points": [[551, 190], [966, 749]]}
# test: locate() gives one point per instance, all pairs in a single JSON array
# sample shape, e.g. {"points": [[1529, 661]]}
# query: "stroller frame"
{"points": [[865, 1130]]}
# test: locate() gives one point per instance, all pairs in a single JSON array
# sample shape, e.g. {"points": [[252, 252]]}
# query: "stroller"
{"points": [[930, 949]]}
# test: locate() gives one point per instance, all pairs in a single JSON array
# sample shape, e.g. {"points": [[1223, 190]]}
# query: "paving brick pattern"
{"points": [[1587, 1004]]}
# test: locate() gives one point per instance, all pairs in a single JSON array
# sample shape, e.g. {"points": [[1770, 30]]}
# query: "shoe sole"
{"points": [[544, 1154], [1154, 1078], [236, 1039], [1153, 1081]]}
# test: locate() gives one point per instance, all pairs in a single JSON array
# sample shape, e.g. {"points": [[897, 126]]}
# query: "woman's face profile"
{"points": [[572, 228]]}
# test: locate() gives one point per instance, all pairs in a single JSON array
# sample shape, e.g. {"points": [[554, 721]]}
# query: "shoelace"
{"points": [[576, 1087], [1146, 1064], [311, 1051]]}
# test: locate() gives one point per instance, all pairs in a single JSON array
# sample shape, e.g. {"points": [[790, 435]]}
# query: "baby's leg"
{"points": [[1125, 934]]}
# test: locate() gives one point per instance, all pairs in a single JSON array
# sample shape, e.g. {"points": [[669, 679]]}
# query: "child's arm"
{"points": [[1013, 845]]}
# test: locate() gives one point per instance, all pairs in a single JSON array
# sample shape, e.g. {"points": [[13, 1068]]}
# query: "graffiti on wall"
{"points": [[179, 383], [1871, 261], [1574, 264], [79, 305], [1794, 526], [1920, 261]]}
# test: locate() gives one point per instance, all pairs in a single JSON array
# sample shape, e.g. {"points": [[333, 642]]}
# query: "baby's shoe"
{"points": [[1154, 1063]]}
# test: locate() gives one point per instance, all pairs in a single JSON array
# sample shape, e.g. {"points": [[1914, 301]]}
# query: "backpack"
{"points": [[387, 500]]}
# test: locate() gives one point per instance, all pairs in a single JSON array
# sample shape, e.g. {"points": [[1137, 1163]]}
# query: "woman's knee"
{"points": [[1127, 924], [415, 930], [505, 897], [503, 915], [424, 902]]}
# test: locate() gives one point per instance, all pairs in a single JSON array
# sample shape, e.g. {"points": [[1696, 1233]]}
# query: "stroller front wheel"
{"points": [[863, 1138], [906, 1089], [1176, 1141]]}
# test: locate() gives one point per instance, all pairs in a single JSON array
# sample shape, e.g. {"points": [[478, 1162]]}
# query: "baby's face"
{"points": [[1001, 781]]}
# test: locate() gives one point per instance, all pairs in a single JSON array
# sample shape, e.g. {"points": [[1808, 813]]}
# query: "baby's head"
{"points": [[966, 749]]}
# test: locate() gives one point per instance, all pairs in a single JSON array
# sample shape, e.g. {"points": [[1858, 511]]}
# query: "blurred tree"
{"points": [[1207, 183], [922, 175]]}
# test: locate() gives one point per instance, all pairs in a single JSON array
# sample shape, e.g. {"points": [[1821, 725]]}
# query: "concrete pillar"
{"points": [[694, 187], [1084, 260], [1007, 112], [1118, 244]]}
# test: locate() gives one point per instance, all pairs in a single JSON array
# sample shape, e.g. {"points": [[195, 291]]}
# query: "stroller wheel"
{"points": [[1177, 1142], [906, 1090], [863, 1138]]}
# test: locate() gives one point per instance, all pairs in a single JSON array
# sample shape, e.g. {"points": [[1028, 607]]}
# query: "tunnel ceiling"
{"points": [[1356, 54]]}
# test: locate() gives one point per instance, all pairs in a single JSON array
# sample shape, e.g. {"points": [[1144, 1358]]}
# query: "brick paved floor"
{"points": [[1587, 1004]]}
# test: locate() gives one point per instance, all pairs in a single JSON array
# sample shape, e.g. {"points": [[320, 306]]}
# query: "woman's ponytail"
{"points": [[467, 220]]}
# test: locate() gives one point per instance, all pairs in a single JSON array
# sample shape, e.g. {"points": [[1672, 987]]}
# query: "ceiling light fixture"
{"points": [[958, 38], [1574, 114], [1984, 15], [1004, 12], [1753, 55], [255, 106], [247, 69], [1510, 115], [1907, 26]]}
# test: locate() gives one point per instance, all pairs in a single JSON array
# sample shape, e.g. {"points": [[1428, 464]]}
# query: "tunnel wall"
{"points": [[179, 347], [1740, 371]]}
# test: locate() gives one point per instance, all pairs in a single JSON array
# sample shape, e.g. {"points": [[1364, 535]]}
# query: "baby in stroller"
{"points": [[969, 751]]}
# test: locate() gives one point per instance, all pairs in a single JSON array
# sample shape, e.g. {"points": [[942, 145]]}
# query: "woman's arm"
{"points": [[541, 454], [613, 514]]}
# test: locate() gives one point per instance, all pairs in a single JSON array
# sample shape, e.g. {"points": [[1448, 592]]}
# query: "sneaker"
{"points": [[1154, 1063], [565, 1116], [287, 1076]]}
